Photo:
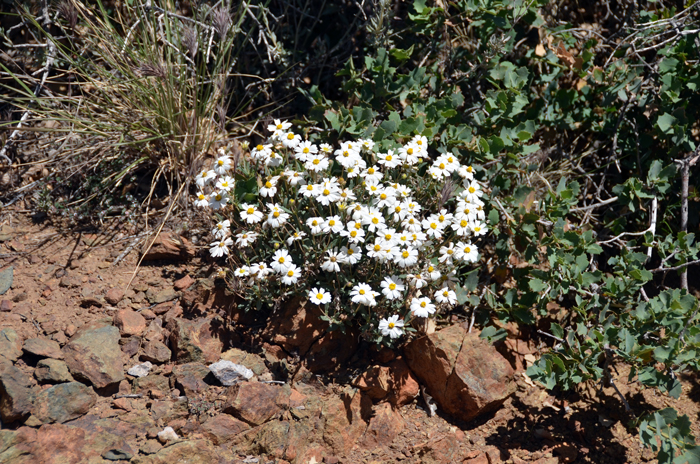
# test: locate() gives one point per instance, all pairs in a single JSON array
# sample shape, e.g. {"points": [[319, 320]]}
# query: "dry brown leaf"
{"points": [[567, 58], [540, 50], [581, 84]]}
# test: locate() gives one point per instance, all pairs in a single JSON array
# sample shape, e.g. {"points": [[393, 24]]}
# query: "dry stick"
{"points": [[685, 173], [595, 205], [652, 226], [50, 55]]}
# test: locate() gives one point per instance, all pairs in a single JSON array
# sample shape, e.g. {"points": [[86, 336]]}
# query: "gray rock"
{"points": [[167, 434], [52, 371], [64, 402], [43, 347], [94, 355], [229, 373], [16, 394], [140, 370], [10, 344], [6, 277]]}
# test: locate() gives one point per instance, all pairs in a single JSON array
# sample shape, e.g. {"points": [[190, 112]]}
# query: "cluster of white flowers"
{"points": [[358, 206]]}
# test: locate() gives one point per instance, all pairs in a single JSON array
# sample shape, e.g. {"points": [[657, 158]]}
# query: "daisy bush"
{"points": [[374, 234]]}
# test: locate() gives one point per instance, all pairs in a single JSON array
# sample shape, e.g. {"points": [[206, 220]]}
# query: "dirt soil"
{"points": [[60, 284]]}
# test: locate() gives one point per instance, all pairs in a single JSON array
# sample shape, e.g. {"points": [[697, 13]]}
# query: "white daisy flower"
{"points": [[478, 228], [218, 200], [269, 188], [350, 254], [319, 296], [290, 139], [315, 224], [466, 252], [392, 327], [332, 224], [277, 216], [296, 236], [250, 214], [304, 149], [410, 154], [445, 295], [261, 152], [260, 270], [242, 271], [432, 227], [245, 239], [281, 261], [392, 287], [363, 294], [278, 127], [406, 257], [202, 200], [366, 144], [466, 172], [372, 175], [222, 229], [225, 183], [205, 177], [294, 177], [332, 262], [222, 165], [291, 275], [389, 159], [326, 149], [461, 227], [316, 163], [220, 247], [447, 253], [422, 307], [472, 191]]}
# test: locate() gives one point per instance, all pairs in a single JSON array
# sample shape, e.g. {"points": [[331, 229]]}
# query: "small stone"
{"points": [[140, 370], [52, 371], [70, 330], [251, 360], [170, 246], [117, 455], [148, 314], [156, 352], [43, 347], [114, 295], [5, 306], [223, 428], [195, 341], [151, 382], [6, 277], [184, 283], [168, 434], [256, 403], [229, 373], [33, 421], [129, 322], [10, 344], [162, 296], [130, 346]]}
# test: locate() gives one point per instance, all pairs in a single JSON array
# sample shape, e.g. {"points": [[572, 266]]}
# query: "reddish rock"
{"points": [[257, 403], [5, 306], [464, 374], [196, 341], [129, 322], [114, 296], [375, 382], [297, 327], [43, 347], [331, 351], [383, 427], [190, 377], [223, 428], [169, 246], [443, 449], [156, 352], [344, 421], [404, 386], [64, 402], [184, 283], [515, 350], [130, 346]]}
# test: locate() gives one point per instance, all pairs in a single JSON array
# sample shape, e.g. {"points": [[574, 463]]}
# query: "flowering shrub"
{"points": [[374, 234]]}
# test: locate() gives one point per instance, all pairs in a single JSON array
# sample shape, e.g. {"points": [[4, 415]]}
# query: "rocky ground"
{"points": [[90, 372]]}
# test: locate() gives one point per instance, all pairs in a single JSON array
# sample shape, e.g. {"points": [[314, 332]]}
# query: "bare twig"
{"points": [[652, 226], [595, 205]]}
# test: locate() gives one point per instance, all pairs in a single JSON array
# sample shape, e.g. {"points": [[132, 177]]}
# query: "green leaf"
{"points": [[666, 122]]}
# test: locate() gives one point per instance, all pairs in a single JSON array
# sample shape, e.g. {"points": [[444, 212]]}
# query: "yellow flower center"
{"points": [[463, 223], [332, 259], [349, 252], [218, 197], [259, 148], [280, 260], [383, 196], [326, 192], [450, 251], [472, 190], [316, 161], [433, 225], [353, 234], [477, 229], [362, 291], [358, 225], [377, 247], [392, 286], [375, 220], [290, 136], [445, 293], [346, 154], [470, 169], [409, 151], [419, 142], [319, 296], [370, 171], [331, 222], [441, 218], [389, 157], [423, 304], [442, 165], [279, 126], [309, 187], [202, 196], [220, 162], [276, 214], [268, 184], [405, 254], [390, 325], [290, 273], [314, 223], [305, 150], [467, 250], [250, 210]]}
